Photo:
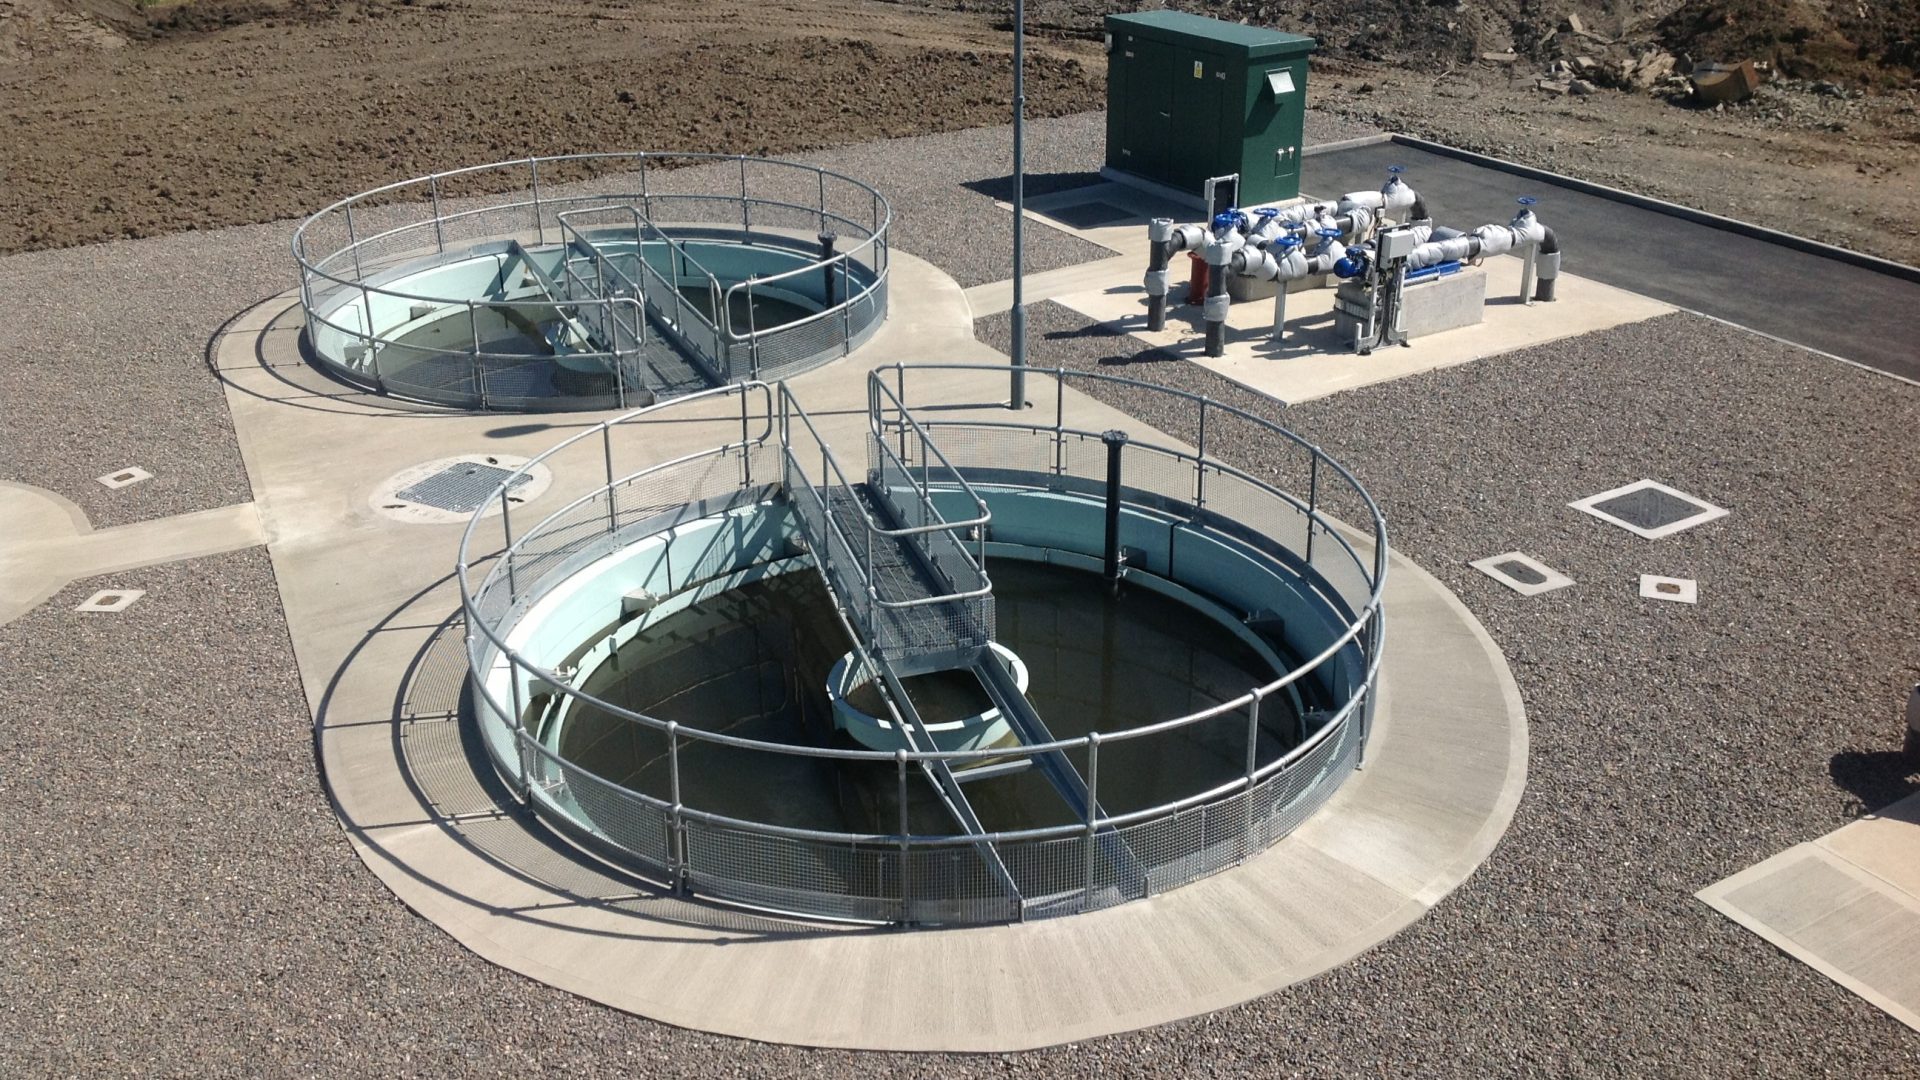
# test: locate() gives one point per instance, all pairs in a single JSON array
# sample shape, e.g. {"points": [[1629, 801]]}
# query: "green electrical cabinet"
{"points": [[1190, 98]]}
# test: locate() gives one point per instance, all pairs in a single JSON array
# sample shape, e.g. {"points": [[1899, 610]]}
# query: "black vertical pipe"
{"points": [[1215, 312], [827, 240], [1160, 233], [1116, 443]]}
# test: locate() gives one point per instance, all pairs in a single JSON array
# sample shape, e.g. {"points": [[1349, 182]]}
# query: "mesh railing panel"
{"points": [[842, 880]]}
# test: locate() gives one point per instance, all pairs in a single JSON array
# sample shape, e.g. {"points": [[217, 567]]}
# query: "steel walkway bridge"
{"points": [[912, 587]]}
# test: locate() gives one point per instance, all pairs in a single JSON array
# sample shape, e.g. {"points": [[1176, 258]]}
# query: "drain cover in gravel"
{"points": [[454, 489], [1649, 508], [111, 600], [1677, 589], [1522, 573], [125, 477]]}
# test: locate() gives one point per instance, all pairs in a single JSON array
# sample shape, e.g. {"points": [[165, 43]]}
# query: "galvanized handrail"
{"points": [[1365, 621], [830, 463], [350, 269]]}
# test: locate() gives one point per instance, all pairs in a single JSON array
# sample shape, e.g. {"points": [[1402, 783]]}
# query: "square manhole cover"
{"points": [[460, 488], [1089, 215], [1649, 508]]}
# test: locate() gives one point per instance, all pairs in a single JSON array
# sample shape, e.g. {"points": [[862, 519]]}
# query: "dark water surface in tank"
{"points": [[753, 663]]}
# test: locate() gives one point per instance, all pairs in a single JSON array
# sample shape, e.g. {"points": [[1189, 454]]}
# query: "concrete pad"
{"points": [[1314, 361], [1846, 905], [370, 603]]}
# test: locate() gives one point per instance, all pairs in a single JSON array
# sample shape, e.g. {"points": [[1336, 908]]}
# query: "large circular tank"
{"points": [[501, 287], [684, 682]]}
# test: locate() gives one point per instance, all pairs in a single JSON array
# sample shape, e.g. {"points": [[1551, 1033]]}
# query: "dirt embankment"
{"points": [[123, 121], [290, 107]]}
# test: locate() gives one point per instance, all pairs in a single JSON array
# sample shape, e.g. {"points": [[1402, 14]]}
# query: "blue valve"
{"points": [[1396, 169], [1228, 219], [1288, 241], [1526, 200], [1267, 211], [1327, 233], [1352, 264]]}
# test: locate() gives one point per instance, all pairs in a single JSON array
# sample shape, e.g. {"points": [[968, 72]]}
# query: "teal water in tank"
{"points": [[753, 662]]}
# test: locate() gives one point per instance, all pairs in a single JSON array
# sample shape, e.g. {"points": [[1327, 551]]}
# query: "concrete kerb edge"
{"points": [[1346, 144], [1659, 206]]}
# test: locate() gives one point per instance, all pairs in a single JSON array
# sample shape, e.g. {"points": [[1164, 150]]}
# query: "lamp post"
{"points": [[1017, 397]]}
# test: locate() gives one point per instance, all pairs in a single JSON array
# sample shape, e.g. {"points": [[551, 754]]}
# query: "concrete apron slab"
{"points": [[1846, 905], [49, 543], [1313, 361], [372, 608]]}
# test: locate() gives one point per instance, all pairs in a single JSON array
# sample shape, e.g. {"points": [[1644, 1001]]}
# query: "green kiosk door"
{"points": [[1200, 91], [1146, 114]]}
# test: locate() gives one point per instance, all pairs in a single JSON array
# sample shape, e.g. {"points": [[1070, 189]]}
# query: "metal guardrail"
{"points": [[348, 250], [903, 876]]}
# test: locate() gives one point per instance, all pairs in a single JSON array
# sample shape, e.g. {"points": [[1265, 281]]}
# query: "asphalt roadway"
{"points": [[1800, 297]]}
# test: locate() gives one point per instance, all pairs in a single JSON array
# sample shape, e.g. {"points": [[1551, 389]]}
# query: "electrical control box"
{"points": [[1190, 98], [1395, 244]]}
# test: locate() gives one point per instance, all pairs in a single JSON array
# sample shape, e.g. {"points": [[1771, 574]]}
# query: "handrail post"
{"points": [[846, 304], [1313, 500], [753, 330], [506, 530], [479, 376], [746, 215], [1092, 816], [746, 451], [1253, 766], [606, 446], [677, 840], [906, 848], [353, 241], [433, 190], [539, 220], [524, 789], [1200, 462]]}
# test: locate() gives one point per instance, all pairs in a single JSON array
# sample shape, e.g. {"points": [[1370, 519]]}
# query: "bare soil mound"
{"points": [[1873, 44]]}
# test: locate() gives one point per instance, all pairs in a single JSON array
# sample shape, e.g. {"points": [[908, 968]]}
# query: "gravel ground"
{"points": [[181, 900]]}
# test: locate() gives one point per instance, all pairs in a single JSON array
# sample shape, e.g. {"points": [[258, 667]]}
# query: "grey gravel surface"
{"points": [[180, 900], [102, 366]]}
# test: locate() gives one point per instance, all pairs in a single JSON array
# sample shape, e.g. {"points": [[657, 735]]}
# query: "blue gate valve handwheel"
{"points": [[1327, 233], [1289, 241], [1396, 169], [1526, 200], [1267, 211]]}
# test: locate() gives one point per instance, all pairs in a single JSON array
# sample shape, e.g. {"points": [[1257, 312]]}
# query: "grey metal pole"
{"points": [[1018, 392]]}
